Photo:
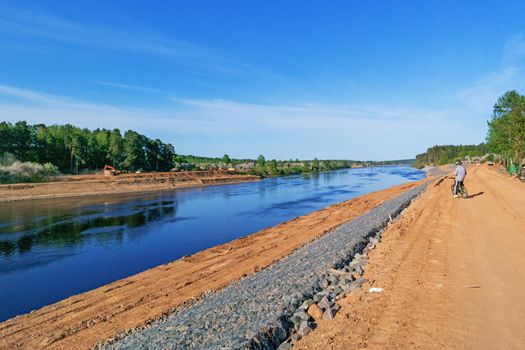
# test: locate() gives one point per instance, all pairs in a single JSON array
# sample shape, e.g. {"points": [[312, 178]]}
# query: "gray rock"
{"points": [[319, 296], [295, 337], [329, 314], [296, 320], [285, 346], [306, 304], [279, 333], [359, 282], [354, 263], [304, 328], [302, 315], [347, 278], [338, 290], [334, 280], [354, 285], [324, 303]]}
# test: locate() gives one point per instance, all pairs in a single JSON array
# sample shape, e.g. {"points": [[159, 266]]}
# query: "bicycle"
{"points": [[462, 191]]}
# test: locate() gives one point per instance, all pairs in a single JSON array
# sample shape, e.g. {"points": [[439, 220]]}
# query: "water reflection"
{"points": [[65, 231]]}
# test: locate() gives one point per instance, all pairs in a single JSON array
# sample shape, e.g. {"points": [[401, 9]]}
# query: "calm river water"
{"points": [[52, 249]]}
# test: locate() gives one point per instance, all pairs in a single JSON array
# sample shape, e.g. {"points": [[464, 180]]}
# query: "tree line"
{"points": [[43, 151], [73, 149], [445, 154], [275, 167], [506, 134], [261, 166]]}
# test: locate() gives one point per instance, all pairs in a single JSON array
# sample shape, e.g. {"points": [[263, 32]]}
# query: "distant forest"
{"points": [[445, 154]]}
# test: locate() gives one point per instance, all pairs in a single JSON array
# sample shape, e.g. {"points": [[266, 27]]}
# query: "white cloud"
{"points": [[125, 86], [130, 37], [100, 35], [483, 93], [242, 129]]}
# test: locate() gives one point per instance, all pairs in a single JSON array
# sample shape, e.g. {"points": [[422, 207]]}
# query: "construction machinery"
{"points": [[110, 171]]}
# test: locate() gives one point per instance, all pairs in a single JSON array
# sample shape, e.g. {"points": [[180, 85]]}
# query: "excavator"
{"points": [[110, 171]]}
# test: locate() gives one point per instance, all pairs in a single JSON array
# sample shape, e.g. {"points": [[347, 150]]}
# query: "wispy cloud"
{"points": [[307, 130], [316, 112], [99, 35], [128, 38], [482, 94], [36, 107], [125, 86]]}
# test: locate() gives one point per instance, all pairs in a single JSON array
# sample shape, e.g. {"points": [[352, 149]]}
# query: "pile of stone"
{"points": [[279, 302], [335, 284]]}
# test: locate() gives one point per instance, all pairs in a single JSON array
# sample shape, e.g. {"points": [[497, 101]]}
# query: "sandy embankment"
{"points": [[85, 185], [452, 271], [82, 321]]}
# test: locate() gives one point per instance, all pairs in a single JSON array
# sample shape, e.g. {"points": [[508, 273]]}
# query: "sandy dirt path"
{"points": [[453, 273], [82, 321]]}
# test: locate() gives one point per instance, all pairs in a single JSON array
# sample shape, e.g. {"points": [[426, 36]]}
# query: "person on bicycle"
{"points": [[459, 174]]}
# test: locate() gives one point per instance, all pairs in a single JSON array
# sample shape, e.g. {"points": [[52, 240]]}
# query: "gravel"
{"points": [[257, 312]]}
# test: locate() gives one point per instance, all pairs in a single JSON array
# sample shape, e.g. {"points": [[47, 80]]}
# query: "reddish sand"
{"points": [[85, 185]]}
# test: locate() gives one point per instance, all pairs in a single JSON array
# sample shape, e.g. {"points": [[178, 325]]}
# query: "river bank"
{"points": [[89, 185], [86, 319]]}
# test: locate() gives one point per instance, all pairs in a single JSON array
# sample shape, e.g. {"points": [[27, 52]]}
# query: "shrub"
{"points": [[26, 172]]}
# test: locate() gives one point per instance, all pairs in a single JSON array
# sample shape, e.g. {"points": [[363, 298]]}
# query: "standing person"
{"points": [[459, 174]]}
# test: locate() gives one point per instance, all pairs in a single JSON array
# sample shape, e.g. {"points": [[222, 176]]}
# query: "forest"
{"points": [[506, 134], [72, 149], [445, 154]]}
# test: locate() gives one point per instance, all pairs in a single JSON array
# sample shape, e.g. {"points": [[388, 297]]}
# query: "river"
{"points": [[52, 249]]}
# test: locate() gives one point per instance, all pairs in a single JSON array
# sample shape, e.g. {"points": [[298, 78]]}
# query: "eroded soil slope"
{"points": [[84, 185]]}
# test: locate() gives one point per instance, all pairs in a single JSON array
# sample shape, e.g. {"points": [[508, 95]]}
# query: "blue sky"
{"points": [[294, 79]]}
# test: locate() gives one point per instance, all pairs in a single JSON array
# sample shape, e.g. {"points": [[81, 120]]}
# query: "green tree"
{"points": [[167, 151], [76, 144], [115, 148], [23, 141], [315, 165], [134, 151], [506, 134], [261, 161], [226, 159], [6, 138]]}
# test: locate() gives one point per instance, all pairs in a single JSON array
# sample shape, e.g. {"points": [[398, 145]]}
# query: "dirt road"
{"points": [[81, 321], [453, 273]]}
